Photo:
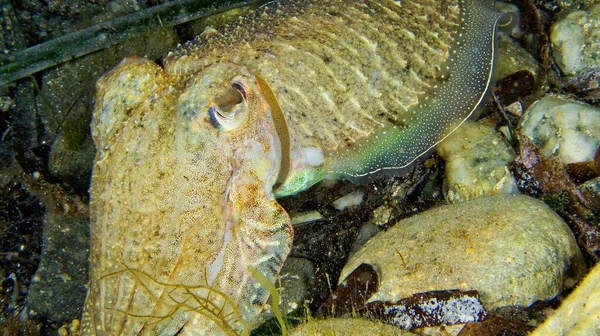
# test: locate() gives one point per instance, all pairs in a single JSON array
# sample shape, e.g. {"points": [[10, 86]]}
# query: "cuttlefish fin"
{"points": [[392, 150]]}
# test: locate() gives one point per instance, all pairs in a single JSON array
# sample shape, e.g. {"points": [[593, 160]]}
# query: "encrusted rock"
{"points": [[576, 43], [556, 5], [477, 159], [562, 127]]}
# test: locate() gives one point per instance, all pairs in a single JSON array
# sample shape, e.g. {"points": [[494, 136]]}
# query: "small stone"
{"points": [[592, 186], [512, 57], [352, 199], [562, 127], [477, 159], [300, 218], [579, 314], [297, 280], [347, 326], [512, 249], [576, 42]]}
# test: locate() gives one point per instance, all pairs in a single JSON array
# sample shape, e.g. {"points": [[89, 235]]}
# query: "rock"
{"points": [[593, 186], [71, 165], [512, 57], [297, 280], [296, 283], [477, 159], [565, 128], [556, 5], [347, 326], [513, 249], [576, 42], [59, 285], [579, 314]]}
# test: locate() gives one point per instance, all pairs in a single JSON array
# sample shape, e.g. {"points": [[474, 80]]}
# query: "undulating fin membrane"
{"points": [[393, 149]]}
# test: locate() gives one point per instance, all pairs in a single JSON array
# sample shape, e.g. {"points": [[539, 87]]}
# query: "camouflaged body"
{"points": [[340, 69], [180, 208]]}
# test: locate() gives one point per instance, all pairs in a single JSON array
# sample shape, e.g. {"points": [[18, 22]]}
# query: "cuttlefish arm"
{"points": [[261, 231], [392, 150]]}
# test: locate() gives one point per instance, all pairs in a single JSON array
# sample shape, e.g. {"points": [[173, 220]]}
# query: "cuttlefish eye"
{"points": [[229, 109]]}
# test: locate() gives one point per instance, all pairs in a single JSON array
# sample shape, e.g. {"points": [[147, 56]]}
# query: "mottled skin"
{"points": [[340, 69], [182, 198], [179, 208]]}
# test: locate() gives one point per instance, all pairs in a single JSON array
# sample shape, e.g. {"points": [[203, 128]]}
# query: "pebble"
{"points": [[575, 42], [513, 249], [349, 327], [477, 160], [562, 127], [592, 186], [512, 57]]}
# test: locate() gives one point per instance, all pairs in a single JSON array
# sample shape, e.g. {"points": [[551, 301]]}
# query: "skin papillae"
{"points": [[182, 198]]}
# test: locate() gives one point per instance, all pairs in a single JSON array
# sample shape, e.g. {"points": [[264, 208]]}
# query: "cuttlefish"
{"points": [[192, 155]]}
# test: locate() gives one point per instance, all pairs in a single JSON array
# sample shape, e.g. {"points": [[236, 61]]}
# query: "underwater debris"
{"points": [[350, 296], [546, 178], [429, 309]]}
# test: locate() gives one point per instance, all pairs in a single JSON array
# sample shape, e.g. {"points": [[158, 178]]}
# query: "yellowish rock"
{"points": [[513, 249], [348, 327], [477, 160], [580, 312]]}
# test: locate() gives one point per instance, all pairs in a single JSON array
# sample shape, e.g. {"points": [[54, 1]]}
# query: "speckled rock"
{"points": [[348, 327], [579, 314], [576, 42], [565, 128], [477, 159], [513, 249]]}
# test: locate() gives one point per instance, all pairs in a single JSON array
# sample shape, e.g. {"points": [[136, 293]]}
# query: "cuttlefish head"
{"points": [[235, 107], [182, 203]]}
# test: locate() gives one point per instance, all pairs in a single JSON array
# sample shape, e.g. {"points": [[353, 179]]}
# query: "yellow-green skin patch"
{"points": [[394, 149]]}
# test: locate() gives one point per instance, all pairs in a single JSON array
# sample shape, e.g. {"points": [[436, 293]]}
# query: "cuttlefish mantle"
{"points": [[392, 150]]}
